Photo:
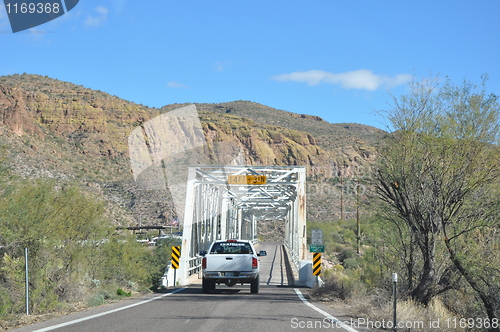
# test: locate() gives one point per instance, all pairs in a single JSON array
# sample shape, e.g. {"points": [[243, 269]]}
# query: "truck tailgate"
{"points": [[237, 262]]}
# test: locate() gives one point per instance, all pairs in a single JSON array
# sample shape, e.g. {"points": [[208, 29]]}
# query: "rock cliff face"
{"points": [[62, 130], [14, 112], [263, 145], [36, 105]]}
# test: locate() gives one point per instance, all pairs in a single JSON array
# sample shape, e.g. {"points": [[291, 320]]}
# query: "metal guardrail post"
{"points": [[27, 281]]}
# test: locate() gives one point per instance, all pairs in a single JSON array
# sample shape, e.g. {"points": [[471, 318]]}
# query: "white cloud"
{"points": [[99, 18], [220, 66], [119, 4], [4, 20], [174, 84], [362, 79], [36, 34]]}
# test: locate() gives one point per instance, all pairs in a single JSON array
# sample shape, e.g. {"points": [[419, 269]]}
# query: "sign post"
{"points": [[317, 248], [394, 290]]}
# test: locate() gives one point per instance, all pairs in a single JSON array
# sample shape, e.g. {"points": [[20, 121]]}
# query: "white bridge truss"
{"points": [[215, 209]]}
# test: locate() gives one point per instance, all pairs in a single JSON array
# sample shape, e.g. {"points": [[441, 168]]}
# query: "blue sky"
{"points": [[334, 59]]}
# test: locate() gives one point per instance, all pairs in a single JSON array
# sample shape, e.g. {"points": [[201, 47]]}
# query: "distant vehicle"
{"points": [[231, 262], [154, 241], [142, 237], [143, 241]]}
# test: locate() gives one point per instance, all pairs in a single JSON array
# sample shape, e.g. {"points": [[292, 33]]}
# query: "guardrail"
{"points": [[194, 266]]}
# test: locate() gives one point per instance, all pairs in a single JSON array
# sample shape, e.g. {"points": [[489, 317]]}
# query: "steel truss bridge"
{"points": [[217, 208]]}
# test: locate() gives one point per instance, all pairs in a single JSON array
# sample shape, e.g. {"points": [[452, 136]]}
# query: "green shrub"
{"points": [[336, 286], [347, 254], [96, 300], [351, 263], [337, 238], [6, 304], [121, 292]]}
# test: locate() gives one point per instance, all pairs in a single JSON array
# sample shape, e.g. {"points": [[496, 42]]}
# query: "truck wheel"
{"points": [[255, 285], [207, 285]]}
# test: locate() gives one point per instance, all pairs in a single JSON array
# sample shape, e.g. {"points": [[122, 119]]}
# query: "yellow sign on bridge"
{"points": [[246, 179]]}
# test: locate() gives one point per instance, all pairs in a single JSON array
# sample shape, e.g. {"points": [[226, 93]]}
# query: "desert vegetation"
{"points": [[437, 180], [76, 256]]}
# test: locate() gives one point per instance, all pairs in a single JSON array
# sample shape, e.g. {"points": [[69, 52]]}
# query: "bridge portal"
{"points": [[227, 202]]}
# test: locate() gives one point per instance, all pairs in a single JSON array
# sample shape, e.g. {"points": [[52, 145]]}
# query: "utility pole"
{"points": [[358, 226], [341, 198], [342, 188]]}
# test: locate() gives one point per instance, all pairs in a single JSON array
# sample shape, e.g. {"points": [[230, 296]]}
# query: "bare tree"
{"points": [[439, 171]]}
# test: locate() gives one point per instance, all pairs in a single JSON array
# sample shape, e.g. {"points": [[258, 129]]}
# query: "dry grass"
{"points": [[375, 307], [412, 316]]}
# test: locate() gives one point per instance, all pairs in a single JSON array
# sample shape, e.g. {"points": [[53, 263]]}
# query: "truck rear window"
{"points": [[231, 248]]}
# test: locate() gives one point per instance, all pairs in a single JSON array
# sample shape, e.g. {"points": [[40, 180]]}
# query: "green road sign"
{"points": [[316, 248]]}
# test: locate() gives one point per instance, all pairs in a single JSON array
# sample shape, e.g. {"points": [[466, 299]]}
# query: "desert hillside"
{"points": [[61, 130]]}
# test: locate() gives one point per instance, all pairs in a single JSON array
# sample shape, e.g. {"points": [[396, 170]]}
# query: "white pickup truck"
{"points": [[231, 262]]}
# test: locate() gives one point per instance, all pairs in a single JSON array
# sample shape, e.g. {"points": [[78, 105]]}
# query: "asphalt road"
{"points": [[276, 307]]}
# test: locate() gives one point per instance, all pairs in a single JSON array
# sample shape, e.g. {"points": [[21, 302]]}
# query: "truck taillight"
{"points": [[204, 263], [255, 263]]}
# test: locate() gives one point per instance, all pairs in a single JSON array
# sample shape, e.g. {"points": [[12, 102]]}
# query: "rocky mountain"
{"points": [[61, 130]]}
